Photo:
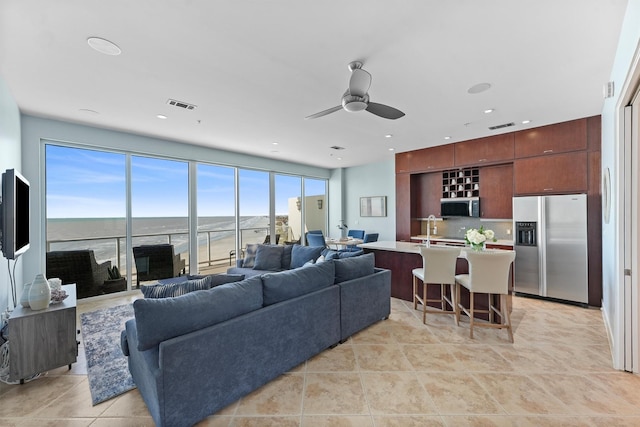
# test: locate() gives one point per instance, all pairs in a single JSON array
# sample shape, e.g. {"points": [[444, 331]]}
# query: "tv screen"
{"points": [[15, 214]]}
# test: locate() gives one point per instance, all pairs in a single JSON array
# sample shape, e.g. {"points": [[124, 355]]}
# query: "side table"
{"points": [[40, 340]]}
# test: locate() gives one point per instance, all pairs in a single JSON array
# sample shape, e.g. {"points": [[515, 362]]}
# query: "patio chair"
{"points": [[79, 267], [155, 262]]}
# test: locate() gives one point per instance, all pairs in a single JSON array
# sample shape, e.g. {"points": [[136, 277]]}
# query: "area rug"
{"points": [[106, 365]]}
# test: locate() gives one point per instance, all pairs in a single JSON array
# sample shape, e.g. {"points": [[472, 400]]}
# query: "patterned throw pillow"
{"points": [[250, 255], [175, 289]]}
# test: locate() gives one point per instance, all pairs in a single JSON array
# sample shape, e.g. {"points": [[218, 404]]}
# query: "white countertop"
{"points": [[406, 247], [423, 237]]}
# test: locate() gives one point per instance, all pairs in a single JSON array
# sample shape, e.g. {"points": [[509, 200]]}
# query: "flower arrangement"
{"points": [[477, 237]]}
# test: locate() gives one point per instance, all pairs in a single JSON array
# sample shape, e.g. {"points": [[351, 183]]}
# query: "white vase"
{"points": [[40, 293], [24, 297]]}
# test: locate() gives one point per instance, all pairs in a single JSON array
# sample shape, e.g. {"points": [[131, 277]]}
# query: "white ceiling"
{"points": [[256, 68]]}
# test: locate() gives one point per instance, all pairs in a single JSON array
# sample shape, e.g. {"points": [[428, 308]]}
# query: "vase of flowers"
{"points": [[343, 229], [476, 238]]}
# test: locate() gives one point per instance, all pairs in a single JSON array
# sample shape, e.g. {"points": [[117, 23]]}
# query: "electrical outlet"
{"points": [[508, 232]]}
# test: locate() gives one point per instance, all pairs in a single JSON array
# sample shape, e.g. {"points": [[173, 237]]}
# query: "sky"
{"points": [[83, 183]]}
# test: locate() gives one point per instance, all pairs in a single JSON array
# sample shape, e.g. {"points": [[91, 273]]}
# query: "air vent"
{"points": [[181, 104], [335, 147], [506, 125]]}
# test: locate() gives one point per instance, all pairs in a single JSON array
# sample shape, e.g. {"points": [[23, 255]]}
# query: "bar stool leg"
{"points": [[471, 307]]}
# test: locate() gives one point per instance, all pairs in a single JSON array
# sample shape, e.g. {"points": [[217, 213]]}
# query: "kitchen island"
{"points": [[402, 257]]}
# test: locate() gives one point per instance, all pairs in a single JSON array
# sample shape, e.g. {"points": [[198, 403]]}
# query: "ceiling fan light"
{"points": [[354, 106]]}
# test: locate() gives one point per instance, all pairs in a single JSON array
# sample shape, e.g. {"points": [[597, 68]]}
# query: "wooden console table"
{"points": [[40, 340]]}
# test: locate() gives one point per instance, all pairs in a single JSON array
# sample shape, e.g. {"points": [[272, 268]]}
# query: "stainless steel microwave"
{"points": [[460, 206]]}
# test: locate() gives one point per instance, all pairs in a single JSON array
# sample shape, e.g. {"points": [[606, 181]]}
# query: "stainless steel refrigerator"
{"points": [[551, 246]]}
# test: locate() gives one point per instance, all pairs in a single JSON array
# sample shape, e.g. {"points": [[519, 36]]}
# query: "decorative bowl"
{"points": [[58, 295]]}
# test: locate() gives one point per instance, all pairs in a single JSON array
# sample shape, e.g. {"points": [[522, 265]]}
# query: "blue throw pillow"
{"points": [[286, 257], [302, 254], [166, 290], [354, 267], [158, 320], [269, 257], [347, 254], [289, 284]]}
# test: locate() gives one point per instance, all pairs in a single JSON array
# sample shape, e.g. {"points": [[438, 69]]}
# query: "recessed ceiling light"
{"points": [[389, 135], [392, 149], [524, 122], [447, 137], [161, 116], [480, 87], [488, 111], [339, 158], [104, 46], [274, 143]]}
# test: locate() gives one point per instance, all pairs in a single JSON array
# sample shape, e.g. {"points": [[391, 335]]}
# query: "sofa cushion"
{"points": [[331, 254], [293, 283], [353, 267], [166, 290], [250, 255], [301, 254], [269, 257], [158, 320]]}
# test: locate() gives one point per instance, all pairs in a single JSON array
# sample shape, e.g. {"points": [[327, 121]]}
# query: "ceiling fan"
{"points": [[356, 97]]}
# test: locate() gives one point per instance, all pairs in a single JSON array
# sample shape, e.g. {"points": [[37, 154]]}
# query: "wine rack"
{"points": [[460, 183]]}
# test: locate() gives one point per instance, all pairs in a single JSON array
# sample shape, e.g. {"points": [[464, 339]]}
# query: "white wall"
{"points": [[612, 262], [10, 154], [35, 129], [375, 179]]}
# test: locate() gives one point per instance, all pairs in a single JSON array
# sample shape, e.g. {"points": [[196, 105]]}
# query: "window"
{"points": [[288, 208]]}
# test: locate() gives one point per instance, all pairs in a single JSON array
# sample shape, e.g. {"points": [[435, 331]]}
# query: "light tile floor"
{"points": [[398, 372]]}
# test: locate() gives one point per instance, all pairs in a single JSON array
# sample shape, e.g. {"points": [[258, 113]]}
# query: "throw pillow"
{"points": [[158, 320], [175, 289], [250, 255], [289, 284], [286, 257], [302, 254], [268, 257], [354, 267], [216, 279]]}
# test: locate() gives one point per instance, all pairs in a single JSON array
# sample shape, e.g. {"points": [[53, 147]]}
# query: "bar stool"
{"points": [[488, 274], [438, 267]]}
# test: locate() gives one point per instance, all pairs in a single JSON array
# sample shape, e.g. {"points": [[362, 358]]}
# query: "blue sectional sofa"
{"points": [[192, 355]]}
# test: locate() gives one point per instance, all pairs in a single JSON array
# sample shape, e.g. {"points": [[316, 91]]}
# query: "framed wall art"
{"points": [[373, 206]]}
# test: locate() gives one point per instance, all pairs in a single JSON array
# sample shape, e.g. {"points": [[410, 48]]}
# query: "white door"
{"points": [[631, 235]]}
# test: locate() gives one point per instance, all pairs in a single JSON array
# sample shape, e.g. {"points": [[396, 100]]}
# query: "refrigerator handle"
{"points": [[542, 244]]}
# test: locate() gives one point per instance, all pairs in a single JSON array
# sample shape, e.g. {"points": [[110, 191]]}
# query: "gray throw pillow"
{"points": [[269, 257], [303, 254], [250, 255], [218, 279], [354, 267]]}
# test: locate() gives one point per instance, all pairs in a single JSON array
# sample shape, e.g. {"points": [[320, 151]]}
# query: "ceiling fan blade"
{"points": [[324, 113], [359, 82], [384, 111]]}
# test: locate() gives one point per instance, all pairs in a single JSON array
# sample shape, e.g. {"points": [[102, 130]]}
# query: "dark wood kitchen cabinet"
{"points": [[481, 151], [496, 191], [427, 188], [552, 139], [431, 159], [553, 174]]}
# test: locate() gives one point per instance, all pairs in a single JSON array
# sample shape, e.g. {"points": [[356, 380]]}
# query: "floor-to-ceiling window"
{"points": [[288, 208], [87, 196], [160, 215], [254, 207], [86, 218], [216, 217]]}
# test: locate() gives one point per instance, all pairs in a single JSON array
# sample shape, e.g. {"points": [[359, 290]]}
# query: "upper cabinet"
{"points": [[480, 151], [426, 159], [552, 139], [496, 191], [559, 173]]}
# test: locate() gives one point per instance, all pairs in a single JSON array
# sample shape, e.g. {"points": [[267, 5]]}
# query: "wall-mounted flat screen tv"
{"points": [[15, 214]]}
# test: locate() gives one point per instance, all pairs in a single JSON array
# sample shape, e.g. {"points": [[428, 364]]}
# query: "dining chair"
{"points": [[370, 237], [314, 239], [356, 234], [438, 267], [488, 274]]}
